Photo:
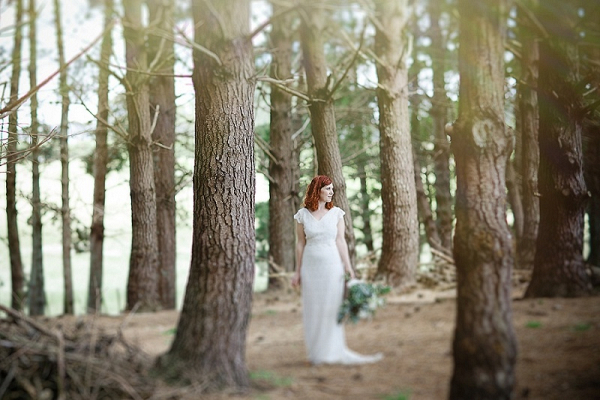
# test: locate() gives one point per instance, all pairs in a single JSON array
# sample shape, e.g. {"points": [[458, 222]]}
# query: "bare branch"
{"points": [[352, 62], [199, 47], [280, 85], [14, 105]]}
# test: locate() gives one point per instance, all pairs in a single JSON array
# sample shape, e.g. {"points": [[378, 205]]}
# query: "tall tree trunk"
{"points": [[441, 157], [423, 204], [37, 295], [162, 102], [559, 268], [530, 151], [65, 210], [283, 169], [591, 153], [365, 210], [484, 344], [400, 248], [591, 145], [100, 168], [210, 343], [513, 186], [142, 285], [313, 24], [14, 245]]}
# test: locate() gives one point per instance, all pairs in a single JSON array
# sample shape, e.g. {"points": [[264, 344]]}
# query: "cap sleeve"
{"points": [[299, 216], [340, 213]]}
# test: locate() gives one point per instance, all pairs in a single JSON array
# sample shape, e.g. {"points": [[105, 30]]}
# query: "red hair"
{"points": [[313, 192]]}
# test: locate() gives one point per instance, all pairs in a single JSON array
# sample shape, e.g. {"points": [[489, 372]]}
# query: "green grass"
{"points": [[401, 395], [533, 324], [271, 378], [171, 331], [582, 327]]}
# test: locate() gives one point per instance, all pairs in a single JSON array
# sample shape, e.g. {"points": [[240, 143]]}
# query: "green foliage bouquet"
{"points": [[361, 301]]}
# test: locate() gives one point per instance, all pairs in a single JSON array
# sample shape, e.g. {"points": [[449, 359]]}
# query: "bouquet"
{"points": [[361, 301]]}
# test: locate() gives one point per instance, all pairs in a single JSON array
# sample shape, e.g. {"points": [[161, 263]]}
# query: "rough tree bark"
{"points": [[484, 344], [37, 295], [162, 102], [400, 247], [322, 111], [210, 343], [283, 169], [100, 168], [439, 105], [65, 210], [530, 151], [559, 268], [14, 245], [142, 285]]}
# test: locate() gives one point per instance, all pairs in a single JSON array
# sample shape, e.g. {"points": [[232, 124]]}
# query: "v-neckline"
{"points": [[315, 218]]}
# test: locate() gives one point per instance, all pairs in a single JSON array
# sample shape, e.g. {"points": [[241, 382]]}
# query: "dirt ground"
{"points": [[559, 349]]}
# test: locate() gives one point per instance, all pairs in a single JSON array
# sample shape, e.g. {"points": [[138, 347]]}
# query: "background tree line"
{"points": [[470, 126]]}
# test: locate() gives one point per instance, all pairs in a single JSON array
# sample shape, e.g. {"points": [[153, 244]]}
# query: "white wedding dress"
{"points": [[322, 277]]}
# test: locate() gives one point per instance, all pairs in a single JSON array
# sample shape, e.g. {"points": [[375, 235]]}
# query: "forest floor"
{"points": [[558, 341]]}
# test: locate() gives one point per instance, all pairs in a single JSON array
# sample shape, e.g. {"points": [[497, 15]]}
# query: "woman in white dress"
{"points": [[321, 259]]}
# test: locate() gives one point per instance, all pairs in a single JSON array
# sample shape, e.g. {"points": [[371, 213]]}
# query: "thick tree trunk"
{"points": [[100, 169], [210, 343], [313, 24], [530, 152], [441, 157], [37, 295], [142, 285], [400, 248], [559, 268], [484, 344], [65, 210], [162, 102], [14, 246], [283, 170]]}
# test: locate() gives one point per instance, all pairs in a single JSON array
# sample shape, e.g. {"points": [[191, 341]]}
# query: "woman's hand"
{"points": [[350, 273], [296, 280]]}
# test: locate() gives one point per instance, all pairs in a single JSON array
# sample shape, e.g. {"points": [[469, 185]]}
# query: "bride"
{"points": [[321, 259]]}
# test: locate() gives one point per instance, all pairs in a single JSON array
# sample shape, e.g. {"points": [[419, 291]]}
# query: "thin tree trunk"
{"points": [[14, 246], [283, 169], [400, 248], [100, 168], [441, 152], [365, 210], [142, 285], [591, 147], [322, 111], [513, 186], [37, 295], [210, 343], [162, 102], [423, 204], [530, 151], [559, 268], [484, 344], [64, 161]]}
